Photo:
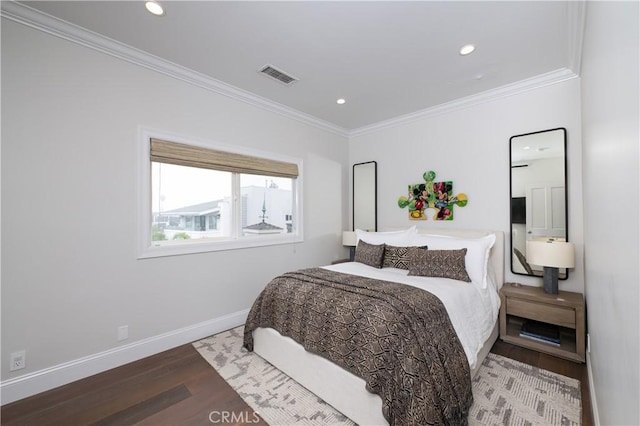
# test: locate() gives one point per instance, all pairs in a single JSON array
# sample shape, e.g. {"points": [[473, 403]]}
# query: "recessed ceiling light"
{"points": [[340, 101], [467, 49], [154, 7]]}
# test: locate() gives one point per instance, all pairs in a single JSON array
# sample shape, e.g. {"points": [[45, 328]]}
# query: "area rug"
{"points": [[505, 392]]}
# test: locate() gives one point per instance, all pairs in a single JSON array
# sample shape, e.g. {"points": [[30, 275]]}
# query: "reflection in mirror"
{"points": [[538, 194], [365, 211]]}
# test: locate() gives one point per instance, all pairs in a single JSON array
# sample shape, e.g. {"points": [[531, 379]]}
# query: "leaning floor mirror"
{"points": [[365, 203], [538, 194]]}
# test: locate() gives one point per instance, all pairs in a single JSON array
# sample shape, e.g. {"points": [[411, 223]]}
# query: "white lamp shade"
{"points": [[555, 254], [349, 238]]}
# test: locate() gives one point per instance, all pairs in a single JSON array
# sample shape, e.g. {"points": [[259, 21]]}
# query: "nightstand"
{"points": [[565, 309], [340, 261]]}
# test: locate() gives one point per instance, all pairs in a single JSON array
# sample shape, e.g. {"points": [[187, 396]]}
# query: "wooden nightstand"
{"points": [[340, 261], [565, 310]]}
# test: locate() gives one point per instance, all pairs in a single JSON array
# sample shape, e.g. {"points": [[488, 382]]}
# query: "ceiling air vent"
{"points": [[277, 74]]}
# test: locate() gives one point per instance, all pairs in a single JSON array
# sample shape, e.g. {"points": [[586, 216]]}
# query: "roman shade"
{"points": [[194, 156]]}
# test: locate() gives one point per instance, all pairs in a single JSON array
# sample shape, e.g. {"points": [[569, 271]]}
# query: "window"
{"points": [[207, 198]]}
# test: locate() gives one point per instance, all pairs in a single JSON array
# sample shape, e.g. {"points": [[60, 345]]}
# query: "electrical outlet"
{"points": [[588, 343], [123, 332], [18, 360]]}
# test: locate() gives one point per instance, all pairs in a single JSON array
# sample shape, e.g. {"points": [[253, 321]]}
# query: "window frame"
{"points": [[146, 248]]}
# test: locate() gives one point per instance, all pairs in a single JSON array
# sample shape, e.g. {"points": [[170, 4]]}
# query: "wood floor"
{"points": [[178, 387]]}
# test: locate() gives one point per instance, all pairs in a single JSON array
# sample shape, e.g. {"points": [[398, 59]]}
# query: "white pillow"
{"points": [[393, 238], [477, 255]]}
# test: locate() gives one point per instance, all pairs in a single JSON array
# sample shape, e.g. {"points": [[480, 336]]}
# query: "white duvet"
{"points": [[473, 310]]}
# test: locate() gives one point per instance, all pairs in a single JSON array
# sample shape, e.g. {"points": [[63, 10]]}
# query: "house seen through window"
{"points": [[202, 195], [192, 203]]}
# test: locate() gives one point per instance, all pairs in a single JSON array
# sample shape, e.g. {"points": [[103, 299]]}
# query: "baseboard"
{"points": [[592, 393], [49, 378]]}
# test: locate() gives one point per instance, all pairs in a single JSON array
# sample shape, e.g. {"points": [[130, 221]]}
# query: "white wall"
{"points": [[470, 146], [610, 113], [70, 276], [548, 171]]}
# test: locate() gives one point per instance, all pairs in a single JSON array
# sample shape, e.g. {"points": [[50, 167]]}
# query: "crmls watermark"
{"points": [[233, 417]]}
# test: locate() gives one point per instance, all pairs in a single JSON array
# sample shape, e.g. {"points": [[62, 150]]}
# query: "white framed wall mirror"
{"points": [[538, 194], [365, 199]]}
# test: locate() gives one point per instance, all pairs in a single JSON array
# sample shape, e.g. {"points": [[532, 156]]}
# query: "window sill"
{"points": [[193, 247]]}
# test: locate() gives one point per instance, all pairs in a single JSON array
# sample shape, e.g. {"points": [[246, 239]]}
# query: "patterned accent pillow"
{"points": [[477, 258], [438, 263], [397, 257], [369, 254]]}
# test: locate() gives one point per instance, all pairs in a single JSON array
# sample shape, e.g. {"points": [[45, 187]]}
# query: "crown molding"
{"points": [[521, 86], [576, 15], [41, 21]]}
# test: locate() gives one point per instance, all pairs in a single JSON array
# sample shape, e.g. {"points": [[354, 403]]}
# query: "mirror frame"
{"points": [[362, 197], [564, 273]]}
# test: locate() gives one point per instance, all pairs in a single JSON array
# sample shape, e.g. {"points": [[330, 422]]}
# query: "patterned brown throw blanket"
{"points": [[396, 337]]}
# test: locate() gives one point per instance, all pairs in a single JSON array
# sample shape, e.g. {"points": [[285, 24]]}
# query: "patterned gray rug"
{"points": [[505, 392]]}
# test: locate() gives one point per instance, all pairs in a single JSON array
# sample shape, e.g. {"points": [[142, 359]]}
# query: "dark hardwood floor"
{"points": [[178, 387]]}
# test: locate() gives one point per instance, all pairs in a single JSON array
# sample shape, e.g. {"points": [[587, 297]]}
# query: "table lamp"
{"points": [[349, 239], [551, 255]]}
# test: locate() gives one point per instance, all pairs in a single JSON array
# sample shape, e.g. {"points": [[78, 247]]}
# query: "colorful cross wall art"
{"points": [[431, 195]]}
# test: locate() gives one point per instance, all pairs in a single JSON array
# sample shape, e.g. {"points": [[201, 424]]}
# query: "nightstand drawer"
{"points": [[552, 314]]}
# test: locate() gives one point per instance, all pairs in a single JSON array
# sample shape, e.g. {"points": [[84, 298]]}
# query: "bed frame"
{"points": [[340, 388]]}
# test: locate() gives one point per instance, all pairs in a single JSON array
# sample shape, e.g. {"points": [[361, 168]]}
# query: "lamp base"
{"points": [[550, 279], [352, 253]]}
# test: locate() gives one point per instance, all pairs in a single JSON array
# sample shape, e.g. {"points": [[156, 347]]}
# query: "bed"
{"points": [[472, 308]]}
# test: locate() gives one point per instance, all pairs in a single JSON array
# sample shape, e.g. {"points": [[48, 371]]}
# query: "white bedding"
{"points": [[473, 310]]}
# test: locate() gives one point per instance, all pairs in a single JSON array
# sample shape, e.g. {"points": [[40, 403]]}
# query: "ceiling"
{"points": [[386, 59], [538, 146]]}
